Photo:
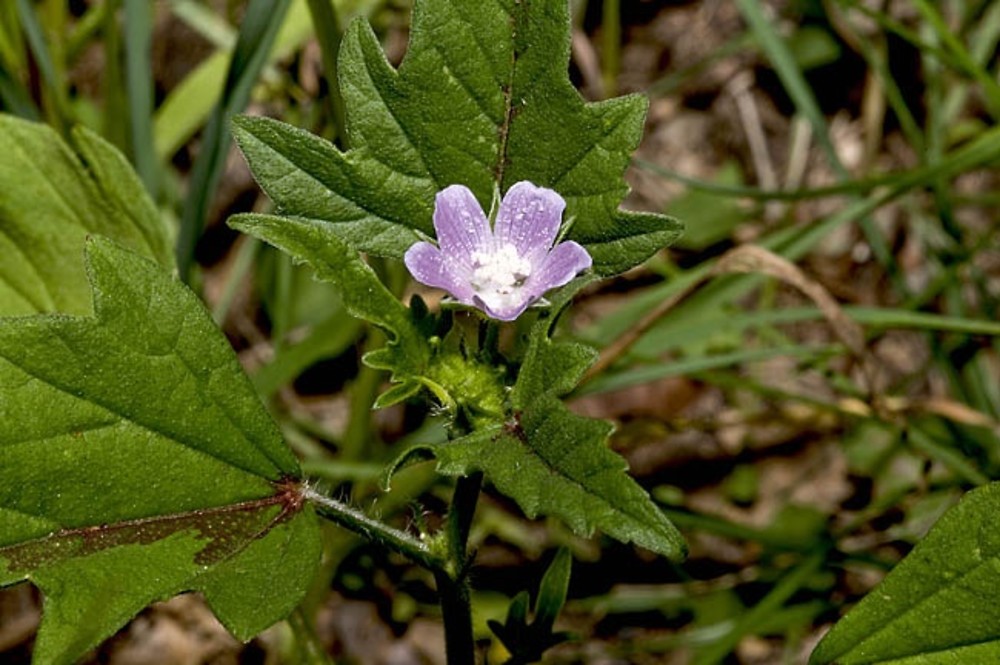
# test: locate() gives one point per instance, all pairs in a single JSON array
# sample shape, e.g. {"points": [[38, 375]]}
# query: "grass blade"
{"points": [[203, 20], [798, 89], [15, 99], [693, 332], [11, 38], [690, 366], [792, 243], [46, 65], [139, 87], [328, 34], [115, 99], [967, 64], [187, 108], [260, 26], [775, 600]]}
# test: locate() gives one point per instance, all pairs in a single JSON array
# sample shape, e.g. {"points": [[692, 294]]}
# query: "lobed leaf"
{"points": [[549, 367], [550, 460], [52, 197], [154, 470], [939, 605], [554, 462], [482, 98]]}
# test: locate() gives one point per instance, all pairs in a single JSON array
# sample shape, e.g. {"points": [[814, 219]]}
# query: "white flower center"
{"points": [[498, 275]]}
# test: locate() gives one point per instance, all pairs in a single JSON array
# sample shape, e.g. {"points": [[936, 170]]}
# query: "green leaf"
{"points": [[364, 295], [139, 224], [939, 605], [549, 367], [553, 589], [482, 98], [527, 642], [50, 199], [554, 462], [155, 469]]}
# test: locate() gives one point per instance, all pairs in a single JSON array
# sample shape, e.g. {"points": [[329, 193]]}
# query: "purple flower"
{"points": [[501, 270]]}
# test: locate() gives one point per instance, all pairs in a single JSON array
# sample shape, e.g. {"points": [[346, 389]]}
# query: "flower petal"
{"points": [[431, 267], [503, 313], [461, 225], [563, 263], [529, 218]]}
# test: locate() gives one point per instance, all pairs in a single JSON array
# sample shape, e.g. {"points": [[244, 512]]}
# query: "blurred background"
{"points": [[804, 423]]}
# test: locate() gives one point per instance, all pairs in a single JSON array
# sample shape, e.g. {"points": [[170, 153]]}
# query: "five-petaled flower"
{"points": [[501, 270]]}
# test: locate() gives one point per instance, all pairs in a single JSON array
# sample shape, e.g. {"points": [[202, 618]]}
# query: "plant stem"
{"points": [[453, 595], [453, 583], [463, 506], [356, 521], [450, 575]]}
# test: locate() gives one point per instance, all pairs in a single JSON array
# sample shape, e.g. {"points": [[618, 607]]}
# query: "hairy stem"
{"points": [[376, 531]]}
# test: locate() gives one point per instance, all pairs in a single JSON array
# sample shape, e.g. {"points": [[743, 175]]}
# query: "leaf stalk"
{"points": [[374, 530]]}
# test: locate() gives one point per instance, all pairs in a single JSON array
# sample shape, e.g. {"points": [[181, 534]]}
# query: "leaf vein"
{"points": [[555, 470], [913, 607], [480, 103], [58, 193], [403, 129], [126, 417], [225, 411]]}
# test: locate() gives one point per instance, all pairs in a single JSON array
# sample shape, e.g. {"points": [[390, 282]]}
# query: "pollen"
{"points": [[497, 275]]}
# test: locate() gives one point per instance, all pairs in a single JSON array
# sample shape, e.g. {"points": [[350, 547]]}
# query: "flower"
{"points": [[501, 270]]}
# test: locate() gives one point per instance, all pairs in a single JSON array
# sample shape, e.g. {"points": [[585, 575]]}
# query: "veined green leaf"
{"points": [[550, 367], [482, 98], [50, 199], [554, 462], [939, 605], [154, 470]]}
